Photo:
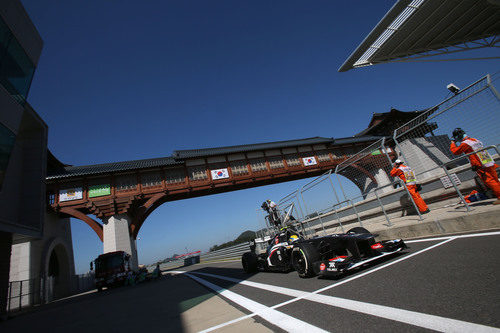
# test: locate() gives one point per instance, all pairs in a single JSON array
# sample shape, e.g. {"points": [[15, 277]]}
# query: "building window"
{"points": [[239, 168], [258, 164], [126, 183], [174, 176], [151, 179], [292, 160], [323, 156], [276, 162], [7, 139], [197, 173], [51, 198], [16, 69]]}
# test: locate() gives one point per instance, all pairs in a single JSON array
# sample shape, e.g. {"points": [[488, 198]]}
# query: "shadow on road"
{"points": [[161, 304]]}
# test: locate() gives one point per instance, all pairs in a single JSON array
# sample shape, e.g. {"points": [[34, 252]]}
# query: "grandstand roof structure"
{"points": [[416, 29]]}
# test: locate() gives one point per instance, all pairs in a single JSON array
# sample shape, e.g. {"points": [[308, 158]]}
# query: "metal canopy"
{"points": [[414, 29]]}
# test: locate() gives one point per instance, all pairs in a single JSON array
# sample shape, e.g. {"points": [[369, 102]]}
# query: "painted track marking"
{"points": [[493, 233], [409, 317], [275, 317]]}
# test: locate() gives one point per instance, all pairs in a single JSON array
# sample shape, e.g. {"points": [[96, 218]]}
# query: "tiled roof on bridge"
{"points": [[68, 171], [356, 139], [183, 154], [88, 170]]}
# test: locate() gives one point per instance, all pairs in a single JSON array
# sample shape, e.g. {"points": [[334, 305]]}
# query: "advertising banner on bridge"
{"points": [[309, 161], [99, 190], [70, 194], [219, 174]]}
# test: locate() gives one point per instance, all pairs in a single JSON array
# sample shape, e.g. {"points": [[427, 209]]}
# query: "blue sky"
{"points": [[124, 80]]}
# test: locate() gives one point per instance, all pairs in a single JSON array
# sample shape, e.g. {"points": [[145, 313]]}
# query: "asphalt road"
{"points": [[447, 284]]}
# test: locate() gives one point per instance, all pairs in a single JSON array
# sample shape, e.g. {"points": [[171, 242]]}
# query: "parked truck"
{"points": [[111, 269]]}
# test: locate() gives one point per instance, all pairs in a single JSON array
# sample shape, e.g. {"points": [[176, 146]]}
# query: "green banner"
{"points": [[99, 190], [376, 152]]}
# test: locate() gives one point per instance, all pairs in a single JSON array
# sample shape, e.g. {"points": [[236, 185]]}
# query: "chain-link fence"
{"points": [[424, 142], [364, 189]]}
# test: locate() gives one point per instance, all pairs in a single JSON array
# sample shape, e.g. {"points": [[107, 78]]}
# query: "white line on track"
{"points": [[408, 317], [493, 233], [275, 317]]}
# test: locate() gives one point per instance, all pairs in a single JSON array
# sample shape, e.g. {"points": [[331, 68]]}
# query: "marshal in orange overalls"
{"points": [[482, 163], [406, 174]]}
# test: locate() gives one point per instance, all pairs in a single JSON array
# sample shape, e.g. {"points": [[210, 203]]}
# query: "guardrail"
{"points": [[227, 253], [233, 252]]}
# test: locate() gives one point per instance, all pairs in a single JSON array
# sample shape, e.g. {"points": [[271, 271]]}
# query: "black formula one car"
{"points": [[324, 256]]}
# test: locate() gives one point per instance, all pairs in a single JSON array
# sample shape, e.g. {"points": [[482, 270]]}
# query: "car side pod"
{"points": [[340, 264]]}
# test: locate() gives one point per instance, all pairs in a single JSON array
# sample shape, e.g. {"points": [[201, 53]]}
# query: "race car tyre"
{"points": [[303, 258], [358, 230], [249, 262]]}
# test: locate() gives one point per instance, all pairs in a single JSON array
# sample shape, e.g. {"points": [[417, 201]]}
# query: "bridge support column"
{"points": [[117, 237]]}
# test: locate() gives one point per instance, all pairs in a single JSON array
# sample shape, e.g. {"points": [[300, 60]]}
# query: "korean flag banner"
{"points": [[309, 161], [219, 174]]}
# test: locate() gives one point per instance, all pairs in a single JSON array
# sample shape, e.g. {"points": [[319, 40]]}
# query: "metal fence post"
{"points": [[383, 209], [338, 200], [338, 180], [20, 294], [456, 189], [333, 187], [10, 297], [338, 218], [492, 87], [307, 210], [356, 212]]}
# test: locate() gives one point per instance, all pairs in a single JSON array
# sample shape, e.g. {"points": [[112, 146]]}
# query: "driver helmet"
{"points": [[398, 162], [458, 134], [293, 238]]}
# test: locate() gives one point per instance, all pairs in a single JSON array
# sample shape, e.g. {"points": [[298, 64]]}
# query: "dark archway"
{"points": [[53, 265], [58, 271]]}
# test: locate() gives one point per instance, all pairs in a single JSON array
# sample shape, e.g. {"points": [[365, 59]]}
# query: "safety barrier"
{"points": [[422, 144], [232, 252]]}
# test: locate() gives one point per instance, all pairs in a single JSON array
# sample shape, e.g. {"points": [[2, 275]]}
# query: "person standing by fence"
{"points": [[481, 162], [407, 175], [271, 207]]}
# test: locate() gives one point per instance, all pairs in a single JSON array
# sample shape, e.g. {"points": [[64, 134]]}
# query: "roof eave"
{"points": [[373, 35]]}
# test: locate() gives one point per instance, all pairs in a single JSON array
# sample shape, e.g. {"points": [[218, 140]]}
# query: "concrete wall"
{"points": [[22, 196], [117, 237], [30, 257], [427, 153], [5, 246]]}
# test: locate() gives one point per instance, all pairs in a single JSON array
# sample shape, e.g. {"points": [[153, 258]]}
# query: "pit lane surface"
{"points": [[441, 284]]}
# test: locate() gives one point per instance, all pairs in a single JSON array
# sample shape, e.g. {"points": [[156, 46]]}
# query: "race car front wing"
{"points": [[341, 264]]}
